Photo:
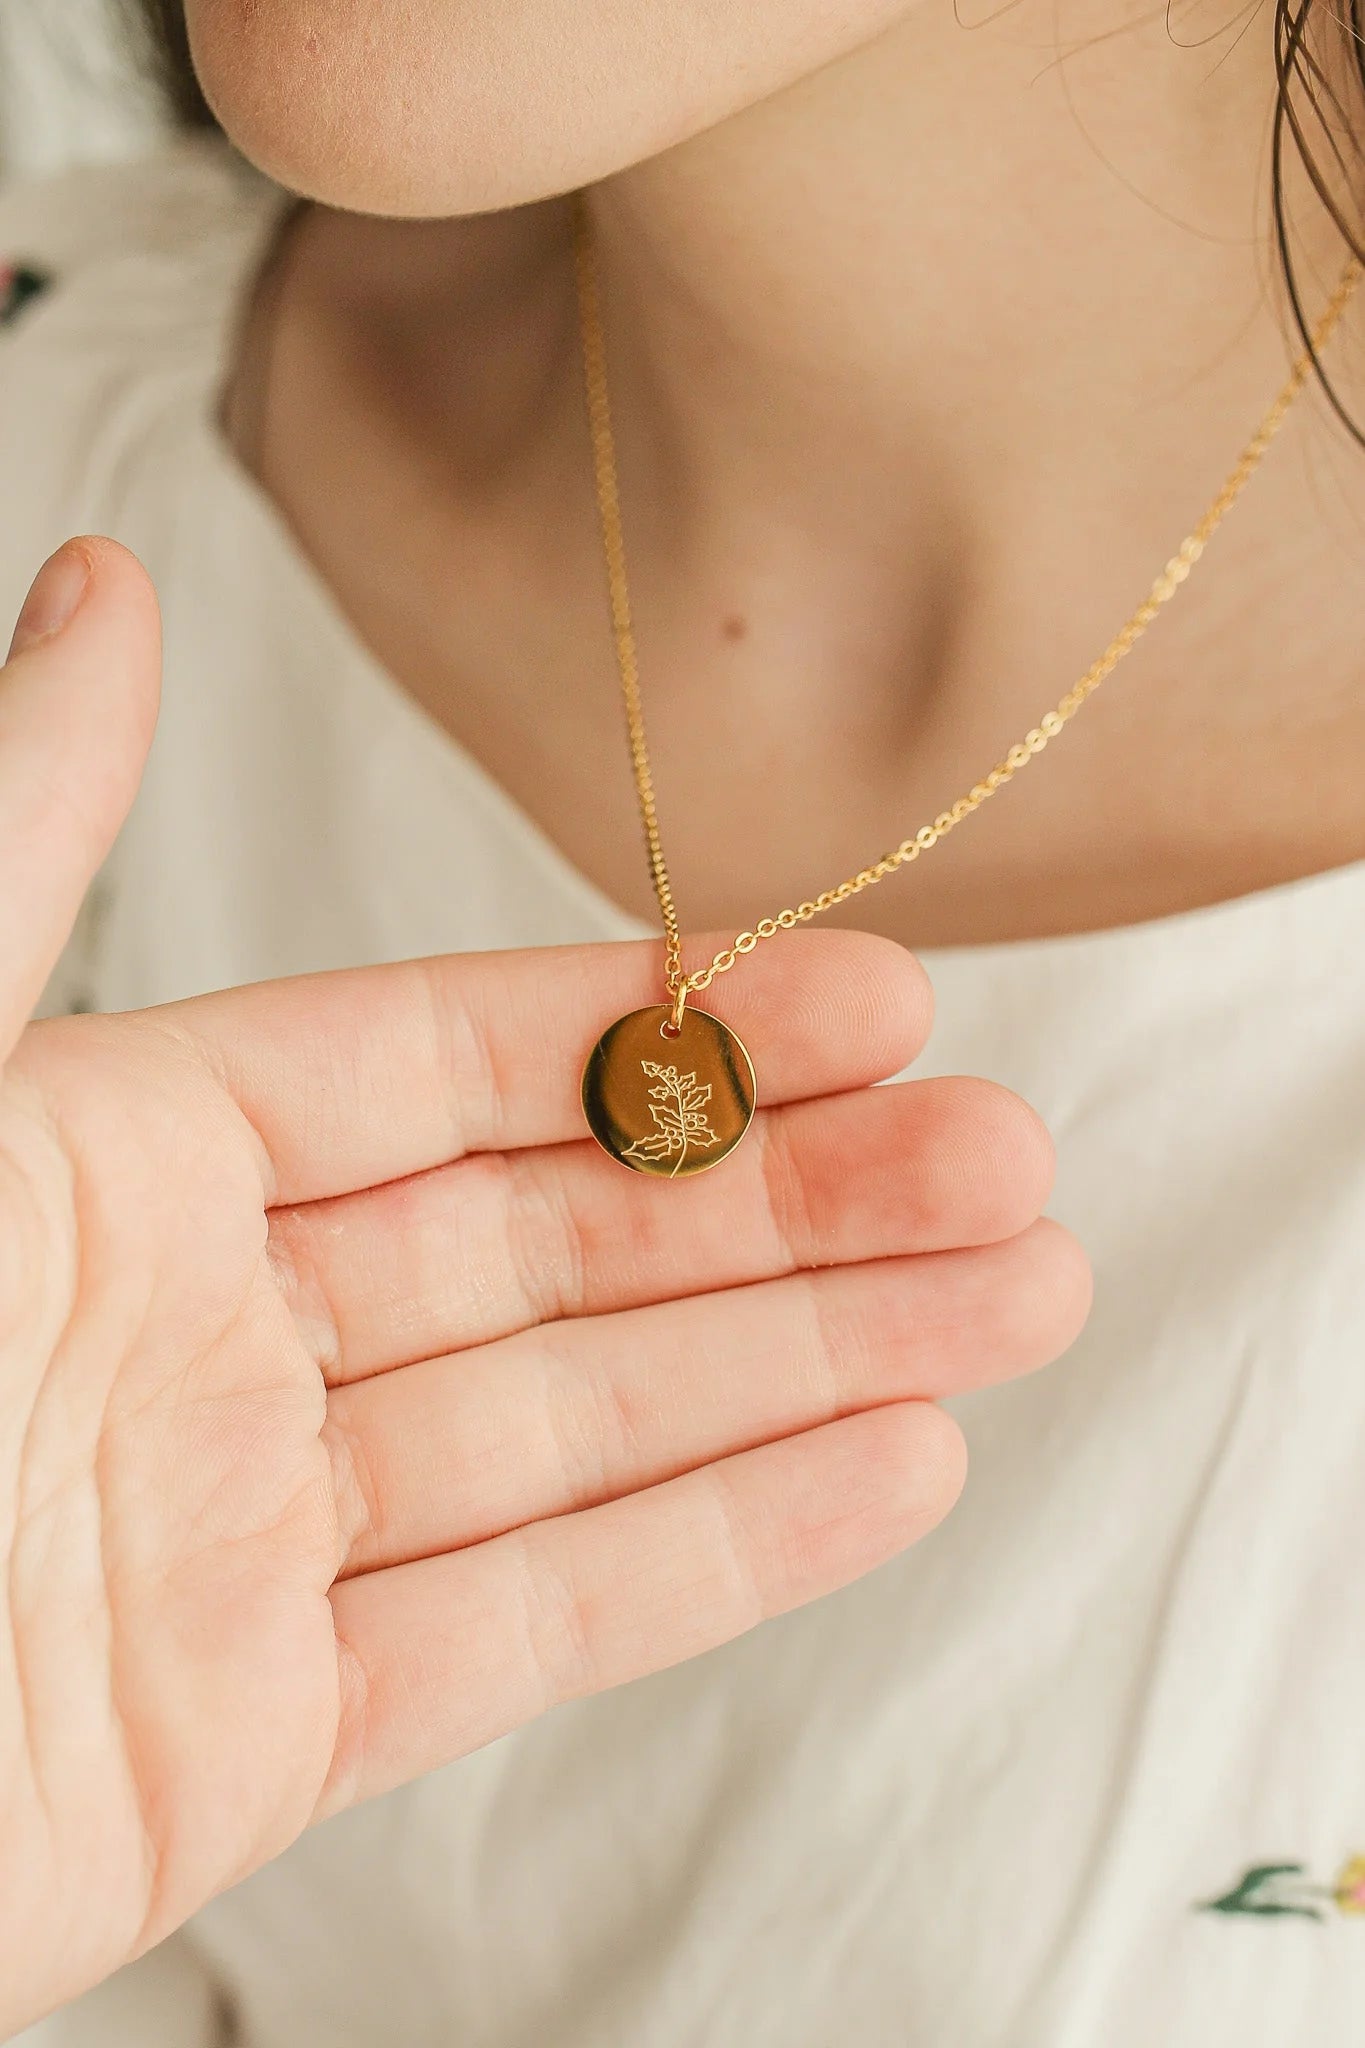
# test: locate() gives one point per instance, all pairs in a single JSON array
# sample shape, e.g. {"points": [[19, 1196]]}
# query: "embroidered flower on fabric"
{"points": [[1349, 1890], [19, 283], [1277, 1891]]}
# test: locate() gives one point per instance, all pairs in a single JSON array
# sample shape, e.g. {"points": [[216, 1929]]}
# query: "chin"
{"points": [[424, 108]]}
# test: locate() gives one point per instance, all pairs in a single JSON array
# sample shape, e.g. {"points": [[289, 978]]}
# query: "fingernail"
{"points": [[51, 603]]}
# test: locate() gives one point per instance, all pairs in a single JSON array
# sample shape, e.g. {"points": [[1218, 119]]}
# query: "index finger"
{"points": [[367, 1075]]}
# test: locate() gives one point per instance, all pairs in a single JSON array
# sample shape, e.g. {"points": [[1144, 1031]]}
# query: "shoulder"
{"points": [[119, 289]]}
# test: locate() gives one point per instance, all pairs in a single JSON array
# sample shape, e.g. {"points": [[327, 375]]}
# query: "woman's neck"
{"points": [[958, 244], [967, 283], [919, 372]]}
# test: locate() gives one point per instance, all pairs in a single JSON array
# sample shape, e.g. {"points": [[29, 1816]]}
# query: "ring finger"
{"points": [[447, 1453]]}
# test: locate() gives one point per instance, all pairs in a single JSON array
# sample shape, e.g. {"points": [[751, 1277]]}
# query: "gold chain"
{"points": [[1177, 569]]}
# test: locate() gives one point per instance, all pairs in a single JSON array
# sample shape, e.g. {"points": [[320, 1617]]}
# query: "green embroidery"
{"points": [[1277, 1891], [18, 284]]}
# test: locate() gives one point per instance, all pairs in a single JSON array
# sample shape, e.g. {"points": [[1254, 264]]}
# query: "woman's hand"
{"points": [[355, 1409]]}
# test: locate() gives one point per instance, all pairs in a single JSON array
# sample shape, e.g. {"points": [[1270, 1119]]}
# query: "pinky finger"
{"points": [[445, 1654]]}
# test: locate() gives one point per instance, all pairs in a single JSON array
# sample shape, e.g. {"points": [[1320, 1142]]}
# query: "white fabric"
{"points": [[72, 88], [975, 1801]]}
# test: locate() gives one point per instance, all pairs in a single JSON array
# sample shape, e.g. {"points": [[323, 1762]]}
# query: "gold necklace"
{"points": [[669, 1090]]}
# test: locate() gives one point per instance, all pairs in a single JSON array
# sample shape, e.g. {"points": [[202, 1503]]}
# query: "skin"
{"points": [[922, 364], [434, 110], [354, 1408], [875, 525]]}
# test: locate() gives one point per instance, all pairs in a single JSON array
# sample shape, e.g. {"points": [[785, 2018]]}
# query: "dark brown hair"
{"points": [[1319, 118]]}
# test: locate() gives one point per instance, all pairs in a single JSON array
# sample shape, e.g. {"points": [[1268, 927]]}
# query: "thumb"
{"points": [[78, 699]]}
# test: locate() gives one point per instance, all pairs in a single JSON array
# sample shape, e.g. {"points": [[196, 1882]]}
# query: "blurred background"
{"points": [[69, 85]]}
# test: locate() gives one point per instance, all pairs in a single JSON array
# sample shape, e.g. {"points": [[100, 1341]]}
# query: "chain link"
{"points": [[1049, 726]]}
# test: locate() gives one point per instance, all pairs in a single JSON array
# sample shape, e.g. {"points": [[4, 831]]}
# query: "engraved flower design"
{"points": [[677, 1103]]}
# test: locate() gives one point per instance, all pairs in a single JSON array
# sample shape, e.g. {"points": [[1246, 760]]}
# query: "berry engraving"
{"points": [[677, 1103]]}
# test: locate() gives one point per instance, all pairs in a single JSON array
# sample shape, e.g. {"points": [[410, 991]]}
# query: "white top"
{"points": [[977, 1800]]}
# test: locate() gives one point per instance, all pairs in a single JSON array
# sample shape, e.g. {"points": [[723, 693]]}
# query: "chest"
{"points": [[811, 705], [1223, 757]]}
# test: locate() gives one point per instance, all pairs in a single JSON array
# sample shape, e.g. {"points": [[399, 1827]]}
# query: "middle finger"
{"points": [[499, 1242]]}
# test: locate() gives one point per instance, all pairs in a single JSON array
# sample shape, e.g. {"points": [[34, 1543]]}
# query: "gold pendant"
{"points": [[664, 1101]]}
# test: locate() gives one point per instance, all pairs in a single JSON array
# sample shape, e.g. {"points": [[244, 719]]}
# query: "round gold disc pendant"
{"points": [[668, 1104]]}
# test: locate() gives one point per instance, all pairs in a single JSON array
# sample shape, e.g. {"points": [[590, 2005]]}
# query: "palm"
{"points": [[352, 1413], [175, 1525]]}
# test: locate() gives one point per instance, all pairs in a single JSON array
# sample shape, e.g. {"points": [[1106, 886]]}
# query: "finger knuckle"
{"points": [[300, 1277], [787, 1182], [357, 1499], [560, 1630], [549, 1251]]}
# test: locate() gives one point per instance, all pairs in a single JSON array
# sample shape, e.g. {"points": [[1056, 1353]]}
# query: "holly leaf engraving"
{"points": [[677, 1105]]}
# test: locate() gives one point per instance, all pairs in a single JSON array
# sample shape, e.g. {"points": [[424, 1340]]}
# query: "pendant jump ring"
{"points": [[679, 1005]]}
